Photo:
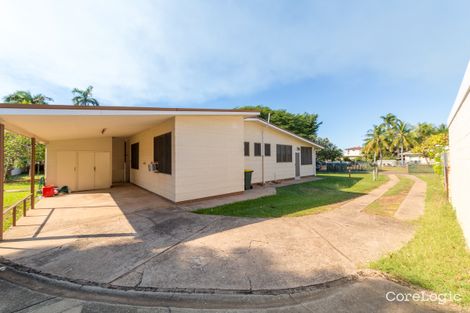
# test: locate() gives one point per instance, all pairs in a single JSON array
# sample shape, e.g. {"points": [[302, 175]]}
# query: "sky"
{"points": [[347, 61]]}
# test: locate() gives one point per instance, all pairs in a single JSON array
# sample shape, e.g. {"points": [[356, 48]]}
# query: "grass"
{"points": [[388, 204], [11, 196], [436, 258], [395, 169], [302, 199]]}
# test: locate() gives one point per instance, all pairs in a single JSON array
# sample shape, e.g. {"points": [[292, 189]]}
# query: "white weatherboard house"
{"points": [[179, 154], [353, 152], [459, 155]]}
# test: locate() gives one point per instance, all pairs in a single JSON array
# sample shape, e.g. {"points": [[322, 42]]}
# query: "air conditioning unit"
{"points": [[153, 167]]}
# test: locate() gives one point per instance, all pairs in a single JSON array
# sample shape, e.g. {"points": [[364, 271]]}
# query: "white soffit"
{"points": [[50, 124]]}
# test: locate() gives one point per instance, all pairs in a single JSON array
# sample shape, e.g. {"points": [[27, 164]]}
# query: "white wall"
{"points": [[209, 156], [273, 170], [159, 183], [459, 156], [88, 144]]}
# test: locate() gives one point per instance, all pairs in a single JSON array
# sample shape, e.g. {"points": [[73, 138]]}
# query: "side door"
{"points": [[297, 165], [102, 170]]}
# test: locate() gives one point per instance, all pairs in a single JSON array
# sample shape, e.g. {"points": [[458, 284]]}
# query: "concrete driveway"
{"points": [[130, 237]]}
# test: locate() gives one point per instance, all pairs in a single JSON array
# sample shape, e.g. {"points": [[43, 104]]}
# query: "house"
{"points": [[179, 154], [275, 154], [413, 158], [353, 152], [459, 155]]}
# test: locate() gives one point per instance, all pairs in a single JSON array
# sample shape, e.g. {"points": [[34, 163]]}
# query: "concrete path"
{"points": [[413, 206], [129, 237], [25, 293]]}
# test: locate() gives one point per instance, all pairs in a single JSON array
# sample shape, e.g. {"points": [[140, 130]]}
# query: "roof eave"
{"points": [[260, 120]]}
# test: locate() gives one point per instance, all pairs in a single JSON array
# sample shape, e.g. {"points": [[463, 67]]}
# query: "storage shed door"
{"points": [[102, 169], [67, 169], [86, 170]]}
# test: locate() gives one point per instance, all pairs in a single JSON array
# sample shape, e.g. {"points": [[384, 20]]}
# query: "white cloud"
{"points": [[190, 51]]}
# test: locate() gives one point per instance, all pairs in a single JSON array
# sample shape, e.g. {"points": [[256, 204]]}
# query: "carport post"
{"points": [[2, 175], [33, 169]]}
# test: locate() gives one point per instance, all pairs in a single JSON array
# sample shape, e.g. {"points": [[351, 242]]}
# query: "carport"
{"points": [[91, 148]]}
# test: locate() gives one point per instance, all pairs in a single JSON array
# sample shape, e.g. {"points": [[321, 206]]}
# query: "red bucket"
{"points": [[48, 191]]}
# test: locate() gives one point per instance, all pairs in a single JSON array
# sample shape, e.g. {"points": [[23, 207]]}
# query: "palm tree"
{"points": [[403, 138], [376, 142], [84, 97], [25, 97], [389, 122]]}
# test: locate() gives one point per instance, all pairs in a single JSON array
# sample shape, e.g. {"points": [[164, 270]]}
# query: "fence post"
{"points": [[24, 206], [14, 215]]}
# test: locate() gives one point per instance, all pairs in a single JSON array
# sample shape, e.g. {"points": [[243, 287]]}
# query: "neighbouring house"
{"points": [[459, 155], [413, 158], [388, 162], [179, 154], [353, 152]]}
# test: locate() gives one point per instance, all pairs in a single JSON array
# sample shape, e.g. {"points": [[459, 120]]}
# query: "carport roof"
{"points": [[62, 122]]}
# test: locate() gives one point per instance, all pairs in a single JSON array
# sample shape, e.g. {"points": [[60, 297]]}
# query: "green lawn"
{"points": [[394, 169], [391, 200], [20, 183], [436, 258], [302, 199]]}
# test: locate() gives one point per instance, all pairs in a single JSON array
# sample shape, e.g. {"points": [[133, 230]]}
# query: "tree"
{"points": [[84, 97], [389, 120], [330, 152], [424, 130], [16, 151], [25, 97], [376, 142], [433, 146], [402, 138], [305, 124], [389, 123]]}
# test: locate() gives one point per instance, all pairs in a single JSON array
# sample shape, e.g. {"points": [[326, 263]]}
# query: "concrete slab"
{"points": [[130, 237]]}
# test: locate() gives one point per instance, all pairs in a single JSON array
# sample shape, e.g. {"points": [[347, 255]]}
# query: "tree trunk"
{"points": [[402, 157]]}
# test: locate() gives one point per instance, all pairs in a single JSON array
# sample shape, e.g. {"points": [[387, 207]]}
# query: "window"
{"points": [[135, 156], [162, 153], [267, 149], [257, 149], [283, 153], [247, 148], [306, 155]]}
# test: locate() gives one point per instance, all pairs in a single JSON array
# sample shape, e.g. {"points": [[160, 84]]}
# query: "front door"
{"points": [[297, 165]]}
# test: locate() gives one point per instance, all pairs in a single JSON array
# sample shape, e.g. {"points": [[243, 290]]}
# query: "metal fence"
{"points": [[420, 168], [344, 167]]}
